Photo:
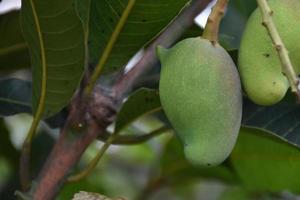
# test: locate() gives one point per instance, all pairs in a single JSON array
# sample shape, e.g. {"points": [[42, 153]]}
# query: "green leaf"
{"points": [[283, 119], [13, 49], [83, 9], [15, 97], [7, 150], [178, 170], [146, 19], [142, 102], [233, 24], [244, 7], [56, 38], [194, 31], [265, 163]]}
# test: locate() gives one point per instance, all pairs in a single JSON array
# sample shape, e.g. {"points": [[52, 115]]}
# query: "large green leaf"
{"points": [[56, 38], [83, 9], [266, 163], [243, 7], [142, 102], [146, 19], [283, 119], [13, 49]]}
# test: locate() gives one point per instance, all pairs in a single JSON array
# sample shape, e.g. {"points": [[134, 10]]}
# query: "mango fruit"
{"points": [[200, 93], [259, 64]]}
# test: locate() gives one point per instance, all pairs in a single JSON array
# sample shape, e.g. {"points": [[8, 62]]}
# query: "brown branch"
{"points": [[61, 160], [113, 139], [101, 110], [72, 143]]}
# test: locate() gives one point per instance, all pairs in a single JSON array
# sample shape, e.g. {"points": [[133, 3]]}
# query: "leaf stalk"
{"points": [[109, 47], [26, 149]]}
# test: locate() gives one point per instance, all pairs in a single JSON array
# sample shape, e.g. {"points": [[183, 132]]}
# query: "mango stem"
{"points": [[283, 54], [211, 30]]}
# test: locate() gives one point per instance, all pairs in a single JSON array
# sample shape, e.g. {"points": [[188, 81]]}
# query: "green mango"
{"points": [[200, 93], [259, 64]]}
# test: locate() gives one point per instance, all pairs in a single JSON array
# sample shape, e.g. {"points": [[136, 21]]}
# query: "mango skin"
{"points": [[200, 93], [259, 65]]}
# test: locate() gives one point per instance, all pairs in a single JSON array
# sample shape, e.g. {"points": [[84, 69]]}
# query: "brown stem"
{"points": [[61, 160], [211, 30], [101, 110], [71, 144]]}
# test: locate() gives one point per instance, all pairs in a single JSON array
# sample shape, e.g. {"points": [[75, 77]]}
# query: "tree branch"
{"points": [[283, 54], [100, 110]]}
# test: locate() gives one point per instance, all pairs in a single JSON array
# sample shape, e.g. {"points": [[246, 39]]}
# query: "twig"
{"points": [[211, 31], [109, 47], [283, 54], [92, 165], [134, 139]]}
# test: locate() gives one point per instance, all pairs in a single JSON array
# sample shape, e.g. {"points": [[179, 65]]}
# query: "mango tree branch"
{"points": [[211, 31], [283, 54], [101, 110]]}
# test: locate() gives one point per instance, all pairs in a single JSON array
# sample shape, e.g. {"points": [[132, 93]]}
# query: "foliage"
{"points": [[48, 51]]}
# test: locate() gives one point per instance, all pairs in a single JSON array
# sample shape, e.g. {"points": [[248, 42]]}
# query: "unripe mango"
{"points": [[259, 64], [200, 93]]}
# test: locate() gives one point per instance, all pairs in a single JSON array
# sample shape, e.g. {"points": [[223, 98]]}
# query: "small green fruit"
{"points": [[259, 64], [201, 95]]}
